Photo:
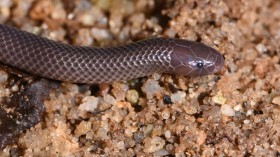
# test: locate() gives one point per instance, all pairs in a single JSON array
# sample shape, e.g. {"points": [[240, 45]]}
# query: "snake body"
{"points": [[79, 64]]}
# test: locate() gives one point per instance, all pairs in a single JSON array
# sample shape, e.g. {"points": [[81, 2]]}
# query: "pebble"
{"points": [[227, 110], [276, 100], [247, 121], [3, 76], [119, 90], [151, 88], [58, 12], [261, 48], [89, 103], [138, 136], [219, 98], [148, 129], [167, 134], [249, 112], [178, 97], [100, 34], [238, 107], [201, 137], [132, 96], [83, 128], [162, 152], [165, 113], [15, 88], [110, 99], [154, 144]]}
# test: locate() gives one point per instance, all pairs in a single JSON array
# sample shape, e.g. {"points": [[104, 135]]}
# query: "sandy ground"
{"points": [[233, 113]]}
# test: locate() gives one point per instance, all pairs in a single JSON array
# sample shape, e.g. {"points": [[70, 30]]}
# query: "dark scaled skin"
{"points": [[194, 59], [54, 60]]}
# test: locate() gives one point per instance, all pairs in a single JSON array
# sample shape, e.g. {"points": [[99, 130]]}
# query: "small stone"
{"points": [[15, 88], [121, 145], [154, 144], [261, 48], [83, 128], [132, 96], [3, 76], [276, 100], [58, 12], [138, 136], [89, 103], [246, 121], [227, 110], [119, 90], [201, 137], [165, 113], [151, 88], [167, 134], [110, 99], [162, 152], [237, 107], [249, 112], [219, 98], [41, 9], [100, 34], [166, 99], [148, 129], [178, 97]]}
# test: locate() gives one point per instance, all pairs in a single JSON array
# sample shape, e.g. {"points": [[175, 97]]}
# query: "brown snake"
{"points": [[55, 60]]}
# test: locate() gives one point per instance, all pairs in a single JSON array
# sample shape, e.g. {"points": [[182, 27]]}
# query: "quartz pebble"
{"points": [[154, 144], [151, 88], [89, 103], [227, 110]]}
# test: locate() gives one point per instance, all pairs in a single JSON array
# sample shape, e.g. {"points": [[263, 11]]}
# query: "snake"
{"points": [[83, 64]]}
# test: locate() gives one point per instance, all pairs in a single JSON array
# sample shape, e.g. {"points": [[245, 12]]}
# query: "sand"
{"points": [[235, 112]]}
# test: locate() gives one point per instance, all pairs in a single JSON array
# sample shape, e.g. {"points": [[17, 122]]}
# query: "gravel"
{"points": [[233, 113]]}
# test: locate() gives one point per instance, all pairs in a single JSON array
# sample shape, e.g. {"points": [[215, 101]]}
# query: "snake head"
{"points": [[195, 59]]}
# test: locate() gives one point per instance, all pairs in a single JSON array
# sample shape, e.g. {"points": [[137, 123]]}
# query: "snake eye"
{"points": [[199, 64]]}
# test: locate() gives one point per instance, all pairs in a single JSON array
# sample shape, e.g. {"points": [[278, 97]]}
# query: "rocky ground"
{"points": [[233, 113]]}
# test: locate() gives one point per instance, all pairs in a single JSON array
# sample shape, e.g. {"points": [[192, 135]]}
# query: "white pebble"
{"points": [[151, 87], [89, 103], [246, 121], [157, 143], [15, 88], [237, 107], [167, 134], [162, 152], [227, 110], [178, 97], [110, 99], [100, 34], [121, 145], [261, 48], [249, 112]]}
